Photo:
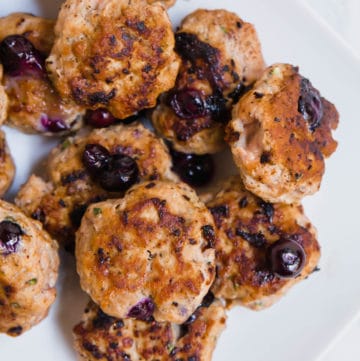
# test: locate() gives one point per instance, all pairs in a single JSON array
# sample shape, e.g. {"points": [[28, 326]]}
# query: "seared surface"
{"points": [[31, 97], [27, 276], [279, 153], [101, 337], [60, 204], [7, 166], [246, 227], [156, 243], [115, 54], [224, 57]]}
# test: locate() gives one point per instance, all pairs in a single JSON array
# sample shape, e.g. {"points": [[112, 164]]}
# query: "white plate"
{"points": [[302, 324]]}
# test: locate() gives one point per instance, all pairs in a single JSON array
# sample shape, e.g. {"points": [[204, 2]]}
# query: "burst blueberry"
{"points": [[143, 310], [310, 104], [188, 103], [10, 237], [19, 57], [120, 173], [95, 157]]}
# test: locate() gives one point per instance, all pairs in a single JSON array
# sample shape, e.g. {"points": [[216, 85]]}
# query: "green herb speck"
{"points": [[65, 144], [97, 211], [223, 29], [170, 347], [32, 282]]}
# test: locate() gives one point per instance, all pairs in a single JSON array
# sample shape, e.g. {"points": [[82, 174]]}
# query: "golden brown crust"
{"points": [[27, 276], [202, 335], [61, 205], [167, 3], [7, 166], [113, 54], [232, 58], [246, 227], [32, 101], [100, 337], [280, 158], [4, 101], [32, 98], [155, 242], [134, 140]]}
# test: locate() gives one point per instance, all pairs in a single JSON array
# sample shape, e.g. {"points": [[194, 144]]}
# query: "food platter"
{"points": [[305, 321]]}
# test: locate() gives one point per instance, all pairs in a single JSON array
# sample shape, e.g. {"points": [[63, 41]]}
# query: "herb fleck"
{"points": [[32, 282]]}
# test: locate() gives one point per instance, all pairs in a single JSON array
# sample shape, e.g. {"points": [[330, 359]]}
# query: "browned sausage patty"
{"points": [[60, 204], [220, 55], [151, 251], [101, 337], [280, 135], [116, 54], [34, 105], [251, 234], [28, 271]]}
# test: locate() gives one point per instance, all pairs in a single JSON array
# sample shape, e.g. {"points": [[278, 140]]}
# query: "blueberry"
{"points": [[143, 310], [196, 170], [187, 103], [53, 125], [120, 173], [310, 104], [99, 118], [95, 157], [287, 258], [10, 236], [19, 57], [216, 108], [208, 300]]}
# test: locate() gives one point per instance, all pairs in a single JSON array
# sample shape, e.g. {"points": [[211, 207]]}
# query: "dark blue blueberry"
{"points": [[19, 57], [196, 170], [287, 258], [10, 237], [143, 310], [95, 158], [99, 118], [53, 125], [120, 173], [310, 104], [187, 103]]}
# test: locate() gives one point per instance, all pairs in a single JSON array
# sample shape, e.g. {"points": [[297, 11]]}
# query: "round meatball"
{"points": [[34, 105], [280, 134], [114, 53], [7, 166], [28, 271], [101, 337], [150, 252], [221, 56], [262, 248], [61, 203]]}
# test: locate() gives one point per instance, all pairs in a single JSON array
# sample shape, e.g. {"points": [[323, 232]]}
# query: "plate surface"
{"points": [[303, 323]]}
